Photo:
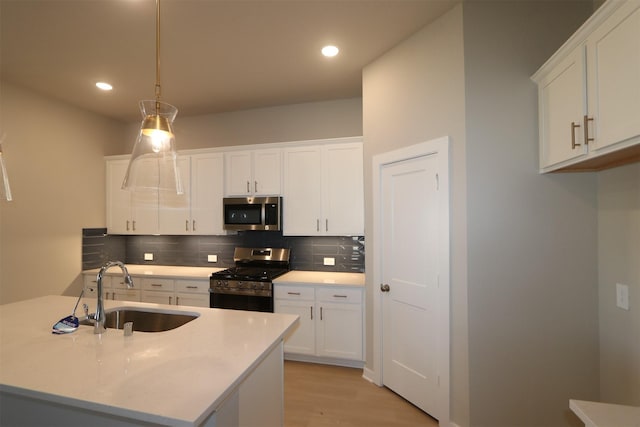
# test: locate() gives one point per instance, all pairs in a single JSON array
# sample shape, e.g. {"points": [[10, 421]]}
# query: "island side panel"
{"points": [[262, 393]]}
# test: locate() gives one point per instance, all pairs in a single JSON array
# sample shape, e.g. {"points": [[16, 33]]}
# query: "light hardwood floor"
{"points": [[321, 395]]}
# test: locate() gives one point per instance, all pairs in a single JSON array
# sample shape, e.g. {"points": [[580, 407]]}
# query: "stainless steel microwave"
{"points": [[252, 213]]}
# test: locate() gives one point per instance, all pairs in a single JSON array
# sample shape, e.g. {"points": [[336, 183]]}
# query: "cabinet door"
{"points": [[267, 172], [613, 55], [237, 173], [343, 190], [193, 300], [119, 217], [158, 297], [302, 339], [561, 111], [206, 193], [174, 210], [339, 330], [302, 191], [125, 294]]}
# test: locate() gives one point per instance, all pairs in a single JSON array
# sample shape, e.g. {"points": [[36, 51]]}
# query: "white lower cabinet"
{"points": [[331, 321], [175, 292], [113, 288], [157, 290]]}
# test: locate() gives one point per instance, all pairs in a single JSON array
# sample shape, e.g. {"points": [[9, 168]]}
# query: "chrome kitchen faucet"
{"points": [[99, 318]]}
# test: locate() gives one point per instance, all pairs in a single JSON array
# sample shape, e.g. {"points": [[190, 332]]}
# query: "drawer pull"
{"points": [[156, 285], [587, 140], [192, 287], [339, 296], [574, 144], [293, 293]]}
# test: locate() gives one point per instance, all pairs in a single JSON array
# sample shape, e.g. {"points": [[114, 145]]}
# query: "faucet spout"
{"points": [[99, 319]]}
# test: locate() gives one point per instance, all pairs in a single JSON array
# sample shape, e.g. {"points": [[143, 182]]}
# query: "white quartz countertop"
{"points": [[598, 414], [177, 377], [169, 271], [321, 278]]}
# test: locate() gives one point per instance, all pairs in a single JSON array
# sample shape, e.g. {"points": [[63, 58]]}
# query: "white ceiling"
{"points": [[216, 55]]}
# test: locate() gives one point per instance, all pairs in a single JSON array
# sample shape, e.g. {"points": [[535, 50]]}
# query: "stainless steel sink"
{"points": [[144, 320]]}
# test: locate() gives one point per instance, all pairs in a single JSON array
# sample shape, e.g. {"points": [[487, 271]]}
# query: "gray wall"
{"points": [[619, 262], [56, 168], [297, 122], [532, 239], [524, 292], [412, 94]]}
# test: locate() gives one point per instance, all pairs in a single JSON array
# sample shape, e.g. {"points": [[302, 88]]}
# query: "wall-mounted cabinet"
{"points": [[323, 190], [197, 211], [129, 212], [589, 94], [253, 172]]}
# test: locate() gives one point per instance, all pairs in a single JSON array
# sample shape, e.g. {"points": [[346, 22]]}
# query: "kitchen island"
{"points": [[225, 368]]}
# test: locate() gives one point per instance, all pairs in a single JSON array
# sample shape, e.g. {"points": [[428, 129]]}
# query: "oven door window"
{"points": [[250, 214], [242, 302]]}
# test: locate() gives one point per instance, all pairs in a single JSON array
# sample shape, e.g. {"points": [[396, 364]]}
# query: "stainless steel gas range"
{"points": [[248, 285]]}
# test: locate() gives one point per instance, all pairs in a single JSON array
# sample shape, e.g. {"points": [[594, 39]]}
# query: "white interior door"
{"points": [[410, 210]]}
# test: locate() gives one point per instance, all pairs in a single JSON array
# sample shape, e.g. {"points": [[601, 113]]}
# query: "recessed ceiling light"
{"points": [[330, 51], [104, 86]]}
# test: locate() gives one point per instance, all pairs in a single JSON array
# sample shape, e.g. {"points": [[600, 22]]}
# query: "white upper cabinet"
{"points": [[323, 190], [197, 211], [253, 172], [589, 94], [129, 212]]}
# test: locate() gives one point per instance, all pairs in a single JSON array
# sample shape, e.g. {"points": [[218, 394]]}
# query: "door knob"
{"points": [[385, 288]]}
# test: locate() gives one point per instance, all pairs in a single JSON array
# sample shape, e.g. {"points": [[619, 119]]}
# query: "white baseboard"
{"points": [[370, 376], [324, 360]]}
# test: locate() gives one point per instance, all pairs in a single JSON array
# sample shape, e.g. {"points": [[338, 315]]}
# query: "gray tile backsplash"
{"points": [[307, 253]]}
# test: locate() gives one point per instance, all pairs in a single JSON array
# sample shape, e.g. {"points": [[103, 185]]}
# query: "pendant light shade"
{"points": [[5, 189], [153, 164]]}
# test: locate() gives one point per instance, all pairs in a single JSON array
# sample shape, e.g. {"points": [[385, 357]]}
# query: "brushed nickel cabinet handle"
{"points": [[586, 129], [317, 225], [255, 186], [248, 189], [156, 285], [192, 287], [177, 300], [293, 293], [127, 225], [311, 308], [193, 226], [573, 135], [169, 300], [186, 225], [339, 296], [326, 225], [134, 226], [320, 313]]}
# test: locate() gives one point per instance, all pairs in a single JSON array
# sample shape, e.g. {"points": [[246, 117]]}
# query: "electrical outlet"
{"points": [[329, 261], [212, 258], [622, 296], [148, 256]]}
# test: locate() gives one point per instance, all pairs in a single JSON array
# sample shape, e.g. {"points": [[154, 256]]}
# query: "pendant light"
{"points": [[153, 164], [5, 189]]}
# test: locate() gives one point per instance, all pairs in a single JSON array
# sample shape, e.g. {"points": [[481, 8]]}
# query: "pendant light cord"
{"points": [[158, 89]]}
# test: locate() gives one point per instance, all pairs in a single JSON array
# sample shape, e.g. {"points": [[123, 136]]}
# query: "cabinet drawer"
{"points": [[353, 296], [195, 286], [294, 292], [155, 284], [90, 281]]}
